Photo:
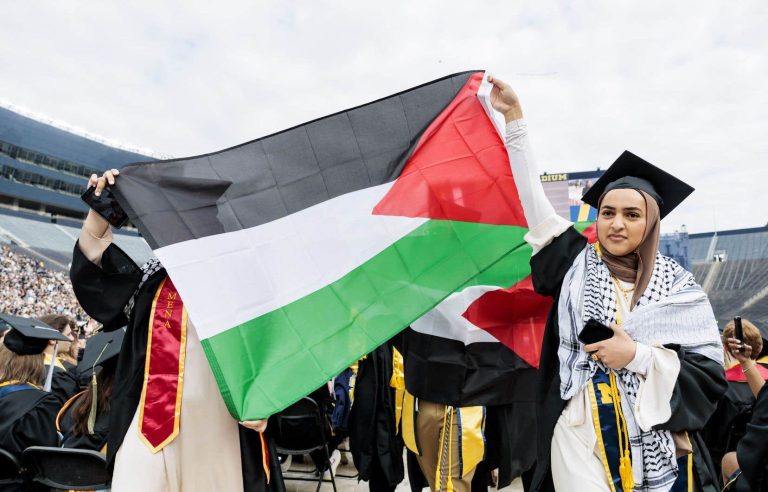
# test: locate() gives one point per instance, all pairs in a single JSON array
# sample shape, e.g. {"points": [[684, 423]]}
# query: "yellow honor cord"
{"points": [[449, 485], [625, 454], [445, 453], [438, 471]]}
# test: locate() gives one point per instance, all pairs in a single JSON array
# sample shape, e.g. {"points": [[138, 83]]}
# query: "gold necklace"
{"points": [[624, 292], [618, 284]]}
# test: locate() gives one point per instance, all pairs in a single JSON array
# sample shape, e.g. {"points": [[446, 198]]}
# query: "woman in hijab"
{"points": [[631, 363]]}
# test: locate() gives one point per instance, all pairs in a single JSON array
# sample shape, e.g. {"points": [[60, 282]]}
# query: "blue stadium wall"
{"points": [[45, 168]]}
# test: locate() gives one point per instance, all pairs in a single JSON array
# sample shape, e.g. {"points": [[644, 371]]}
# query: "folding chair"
{"points": [[10, 469], [301, 429], [64, 468]]}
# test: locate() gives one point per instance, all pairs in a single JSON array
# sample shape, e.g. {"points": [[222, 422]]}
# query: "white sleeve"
{"points": [[543, 223], [642, 359], [652, 406]]}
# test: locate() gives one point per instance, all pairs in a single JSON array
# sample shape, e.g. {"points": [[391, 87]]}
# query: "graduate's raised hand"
{"points": [[108, 178], [95, 225], [615, 352], [504, 100], [257, 425]]}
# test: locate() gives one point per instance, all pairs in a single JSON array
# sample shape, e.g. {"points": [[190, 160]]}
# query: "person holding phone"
{"points": [[746, 375], [744, 345], [620, 413], [208, 450], [745, 350]]}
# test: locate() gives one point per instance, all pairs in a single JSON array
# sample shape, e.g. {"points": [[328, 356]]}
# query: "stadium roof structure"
{"points": [[46, 126], [44, 165], [48, 139], [735, 244]]}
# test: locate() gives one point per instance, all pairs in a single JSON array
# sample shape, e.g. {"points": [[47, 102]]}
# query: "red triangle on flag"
{"points": [[516, 317], [459, 170]]}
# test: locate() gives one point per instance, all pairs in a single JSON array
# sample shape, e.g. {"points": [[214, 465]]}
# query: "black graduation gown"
{"points": [[64, 383], [701, 380], [376, 447], [94, 442], [103, 292], [728, 423], [752, 451], [28, 418]]}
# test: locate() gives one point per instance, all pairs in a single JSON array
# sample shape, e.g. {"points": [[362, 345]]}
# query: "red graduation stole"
{"points": [[160, 406]]}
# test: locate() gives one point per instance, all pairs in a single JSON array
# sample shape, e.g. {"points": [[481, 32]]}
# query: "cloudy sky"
{"points": [[680, 83]]}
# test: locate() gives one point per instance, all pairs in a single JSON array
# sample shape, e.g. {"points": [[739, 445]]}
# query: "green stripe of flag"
{"points": [[513, 267], [321, 334]]}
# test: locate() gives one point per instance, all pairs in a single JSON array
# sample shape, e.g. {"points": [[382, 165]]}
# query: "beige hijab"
{"points": [[637, 267]]}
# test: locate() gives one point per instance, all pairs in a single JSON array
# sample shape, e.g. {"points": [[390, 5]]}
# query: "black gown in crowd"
{"points": [[94, 442], [28, 418], [103, 291], [377, 448], [752, 451], [728, 424], [701, 382], [64, 383]]}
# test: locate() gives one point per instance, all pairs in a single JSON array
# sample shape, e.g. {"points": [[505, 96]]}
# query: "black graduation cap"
{"points": [[101, 348], [630, 171], [29, 336]]}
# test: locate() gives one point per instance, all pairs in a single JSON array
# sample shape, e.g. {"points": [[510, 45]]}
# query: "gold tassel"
{"points": [[625, 472], [625, 452], [92, 413]]}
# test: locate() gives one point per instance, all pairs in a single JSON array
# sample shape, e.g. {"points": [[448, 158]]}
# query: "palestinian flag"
{"points": [[299, 252], [485, 338]]}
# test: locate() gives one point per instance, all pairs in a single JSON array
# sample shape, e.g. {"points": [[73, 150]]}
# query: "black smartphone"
{"points": [[106, 205], [738, 331], [594, 331]]}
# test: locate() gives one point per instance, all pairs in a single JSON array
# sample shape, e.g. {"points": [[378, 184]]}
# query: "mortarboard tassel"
{"points": [[94, 395], [49, 376]]}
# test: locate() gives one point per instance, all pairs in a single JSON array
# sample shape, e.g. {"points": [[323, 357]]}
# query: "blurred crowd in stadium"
{"points": [[28, 288]]}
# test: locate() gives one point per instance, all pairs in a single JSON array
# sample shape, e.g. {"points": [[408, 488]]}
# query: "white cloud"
{"points": [[680, 83]]}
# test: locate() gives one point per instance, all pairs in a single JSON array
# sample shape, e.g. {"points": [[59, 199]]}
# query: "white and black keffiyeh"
{"points": [[672, 310], [148, 269]]}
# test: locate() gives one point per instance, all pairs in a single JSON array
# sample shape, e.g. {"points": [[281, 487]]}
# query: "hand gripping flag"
{"points": [[299, 252]]}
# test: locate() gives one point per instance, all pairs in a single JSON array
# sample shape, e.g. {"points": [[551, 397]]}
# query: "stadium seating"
{"points": [[736, 283], [55, 241], [743, 244], [34, 234], [741, 274]]}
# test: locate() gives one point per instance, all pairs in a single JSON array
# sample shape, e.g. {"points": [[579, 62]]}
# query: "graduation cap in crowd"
{"points": [[29, 336], [630, 171], [101, 348]]}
